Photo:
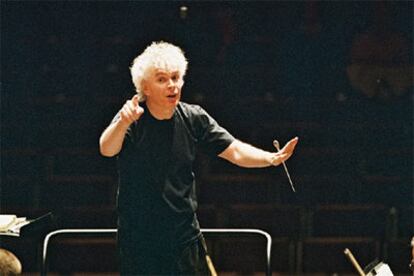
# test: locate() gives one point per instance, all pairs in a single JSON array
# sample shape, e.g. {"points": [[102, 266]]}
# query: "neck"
{"points": [[160, 113]]}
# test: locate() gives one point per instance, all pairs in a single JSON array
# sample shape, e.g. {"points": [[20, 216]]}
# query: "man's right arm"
{"points": [[112, 138]]}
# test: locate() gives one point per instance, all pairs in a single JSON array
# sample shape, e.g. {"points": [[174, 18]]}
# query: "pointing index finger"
{"points": [[135, 99]]}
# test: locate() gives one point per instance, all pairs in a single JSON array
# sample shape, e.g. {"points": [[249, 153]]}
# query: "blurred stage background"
{"points": [[336, 74]]}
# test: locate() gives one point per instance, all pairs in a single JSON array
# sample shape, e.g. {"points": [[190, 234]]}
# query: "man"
{"points": [[156, 144]]}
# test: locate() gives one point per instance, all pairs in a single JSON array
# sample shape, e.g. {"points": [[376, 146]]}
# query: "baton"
{"points": [[351, 257], [276, 145]]}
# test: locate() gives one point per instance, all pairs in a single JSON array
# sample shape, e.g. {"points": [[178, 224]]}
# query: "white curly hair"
{"points": [[159, 55]]}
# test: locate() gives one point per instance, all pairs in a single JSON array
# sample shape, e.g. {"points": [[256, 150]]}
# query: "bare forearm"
{"points": [[245, 155], [248, 156], [112, 138]]}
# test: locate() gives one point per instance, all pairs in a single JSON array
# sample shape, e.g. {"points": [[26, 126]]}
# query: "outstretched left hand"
{"points": [[285, 153]]}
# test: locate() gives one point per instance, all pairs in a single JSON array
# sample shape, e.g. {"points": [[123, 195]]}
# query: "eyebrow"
{"points": [[166, 73]]}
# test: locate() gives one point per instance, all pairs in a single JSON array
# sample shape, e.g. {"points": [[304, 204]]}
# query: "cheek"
{"points": [[159, 87], [180, 84]]}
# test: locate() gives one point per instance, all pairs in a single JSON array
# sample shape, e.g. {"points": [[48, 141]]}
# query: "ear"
{"points": [[144, 86]]}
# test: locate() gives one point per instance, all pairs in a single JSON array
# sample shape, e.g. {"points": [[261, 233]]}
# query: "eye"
{"points": [[161, 79], [175, 78]]}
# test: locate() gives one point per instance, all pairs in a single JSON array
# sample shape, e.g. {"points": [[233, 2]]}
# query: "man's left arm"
{"points": [[248, 156]]}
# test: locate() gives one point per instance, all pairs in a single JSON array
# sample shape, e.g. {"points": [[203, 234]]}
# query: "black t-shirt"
{"points": [[156, 194]]}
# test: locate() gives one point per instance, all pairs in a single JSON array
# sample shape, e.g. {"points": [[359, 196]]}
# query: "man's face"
{"points": [[163, 88]]}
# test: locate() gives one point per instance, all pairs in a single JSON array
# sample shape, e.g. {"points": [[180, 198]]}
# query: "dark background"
{"points": [[264, 70]]}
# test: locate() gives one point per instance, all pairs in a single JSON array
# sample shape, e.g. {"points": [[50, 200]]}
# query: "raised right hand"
{"points": [[131, 111]]}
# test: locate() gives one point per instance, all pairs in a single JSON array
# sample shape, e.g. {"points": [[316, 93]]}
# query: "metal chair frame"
{"points": [[46, 241]]}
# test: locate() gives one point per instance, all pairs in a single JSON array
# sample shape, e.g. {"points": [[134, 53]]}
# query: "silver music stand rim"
{"points": [[114, 230]]}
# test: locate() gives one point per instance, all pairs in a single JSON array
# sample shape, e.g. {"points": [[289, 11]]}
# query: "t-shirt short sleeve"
{"points": [[212, 137]]}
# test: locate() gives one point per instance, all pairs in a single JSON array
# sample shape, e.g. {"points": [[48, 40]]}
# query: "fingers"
{"points": [[290, 146], [135, 99], [131, 111], [286, 152]]}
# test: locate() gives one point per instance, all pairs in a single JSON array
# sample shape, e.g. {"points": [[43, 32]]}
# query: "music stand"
{"points": [[113, 231]]}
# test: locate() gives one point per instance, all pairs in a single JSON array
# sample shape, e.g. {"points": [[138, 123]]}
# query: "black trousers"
{"points": [[188, 260]]}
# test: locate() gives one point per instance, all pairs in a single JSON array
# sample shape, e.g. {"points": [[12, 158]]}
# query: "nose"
{"points": [[171, 83]]}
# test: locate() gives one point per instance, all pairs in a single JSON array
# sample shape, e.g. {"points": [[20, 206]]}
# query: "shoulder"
{"points": [[191, 109], [195, 118], [193, 112]]}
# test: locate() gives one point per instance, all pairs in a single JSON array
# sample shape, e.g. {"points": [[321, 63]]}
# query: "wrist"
{"points": [[122, 125], [271, 159]]}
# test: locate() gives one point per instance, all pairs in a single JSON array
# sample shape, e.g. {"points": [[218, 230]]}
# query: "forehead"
{"points": [[158, 72]]}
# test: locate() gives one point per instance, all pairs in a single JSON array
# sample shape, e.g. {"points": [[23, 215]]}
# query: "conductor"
{"points": [[155, 137]]}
